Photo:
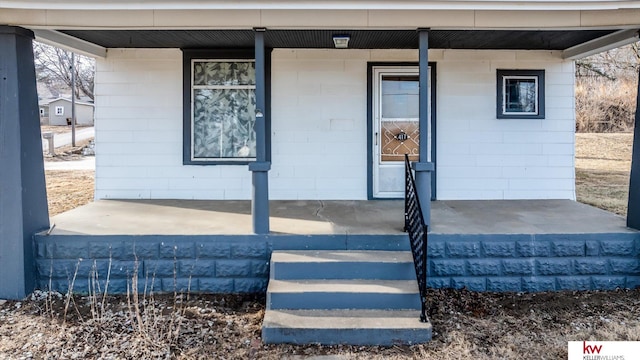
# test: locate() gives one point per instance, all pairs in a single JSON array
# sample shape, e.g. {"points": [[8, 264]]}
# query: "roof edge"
{"points": [[322, 5]]}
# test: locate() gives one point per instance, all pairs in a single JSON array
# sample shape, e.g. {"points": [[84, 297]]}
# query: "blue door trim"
{"points": [[434, 157]]}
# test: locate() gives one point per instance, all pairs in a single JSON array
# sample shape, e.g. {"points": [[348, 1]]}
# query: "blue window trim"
{"points": [[222, 54], [500, 74]]}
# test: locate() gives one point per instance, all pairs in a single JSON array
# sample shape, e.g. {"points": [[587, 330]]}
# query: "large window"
{"points": [[220, 107], [520, 94], [224, 104]]}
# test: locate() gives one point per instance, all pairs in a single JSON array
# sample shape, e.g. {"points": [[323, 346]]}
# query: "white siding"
{"points": [[480, 157], [319, 101], [139, 133], [319, 150]]}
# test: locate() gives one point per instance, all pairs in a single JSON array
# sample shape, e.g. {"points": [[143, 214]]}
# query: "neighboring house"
{"points": [[59, 111], [43, 109], [277, 100]]}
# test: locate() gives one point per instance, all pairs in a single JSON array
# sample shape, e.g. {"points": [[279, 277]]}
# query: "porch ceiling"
{"points": [[360, 39]]}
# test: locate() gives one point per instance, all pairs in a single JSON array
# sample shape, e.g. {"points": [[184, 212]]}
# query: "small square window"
{"points": [[520, 94], [59, 110]]}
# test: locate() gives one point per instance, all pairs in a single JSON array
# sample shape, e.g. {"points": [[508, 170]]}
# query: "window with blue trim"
{"points": [[520, 94], [219, 102]]}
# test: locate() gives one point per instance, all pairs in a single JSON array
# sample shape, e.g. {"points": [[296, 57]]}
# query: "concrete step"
{"points": [[355, 327], [343, 297], [343, 294], [384, 265]]}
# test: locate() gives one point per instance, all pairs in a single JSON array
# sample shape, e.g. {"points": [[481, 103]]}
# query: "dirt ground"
{"points": [[467, 325]]}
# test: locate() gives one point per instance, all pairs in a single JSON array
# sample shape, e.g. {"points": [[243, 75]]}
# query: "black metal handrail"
{"points": [[415, 226]]}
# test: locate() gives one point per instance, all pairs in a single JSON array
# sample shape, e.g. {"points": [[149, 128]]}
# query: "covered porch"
{"points": [[284, 93], [209, 246], [311, 217], [24, 212]]}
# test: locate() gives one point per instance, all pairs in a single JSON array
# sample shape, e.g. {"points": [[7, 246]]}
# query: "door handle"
{"points": [[376, 139]]}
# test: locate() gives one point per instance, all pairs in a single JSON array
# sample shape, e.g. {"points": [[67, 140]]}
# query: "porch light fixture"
{"points": [[341, 41]]}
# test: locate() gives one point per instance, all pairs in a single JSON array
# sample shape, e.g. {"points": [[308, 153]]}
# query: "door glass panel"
{"points": [[399, 123], [400, 96]]}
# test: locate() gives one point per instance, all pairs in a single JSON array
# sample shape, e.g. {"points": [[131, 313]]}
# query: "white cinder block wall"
{"points": [[480, 157], [319, 128]]}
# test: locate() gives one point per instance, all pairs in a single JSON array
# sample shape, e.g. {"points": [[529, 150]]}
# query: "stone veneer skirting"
{"points": [[240, 263]]}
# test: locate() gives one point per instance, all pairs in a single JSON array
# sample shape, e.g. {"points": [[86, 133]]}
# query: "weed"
{"points": [[604, 105]]}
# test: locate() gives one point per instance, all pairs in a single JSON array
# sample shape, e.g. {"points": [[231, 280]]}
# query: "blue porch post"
{"points": [[424, 167], [23, 196], [633, 211], [260, 168]]}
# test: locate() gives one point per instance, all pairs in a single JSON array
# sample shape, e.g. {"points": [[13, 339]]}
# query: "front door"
{"points": [[395, 126]]}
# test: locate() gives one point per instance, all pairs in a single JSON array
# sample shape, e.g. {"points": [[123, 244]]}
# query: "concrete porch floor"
{"points": [[203, 217]]}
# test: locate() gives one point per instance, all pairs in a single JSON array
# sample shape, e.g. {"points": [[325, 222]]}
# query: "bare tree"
{"points": [[620, 63], [53, 67], [605, 91]]}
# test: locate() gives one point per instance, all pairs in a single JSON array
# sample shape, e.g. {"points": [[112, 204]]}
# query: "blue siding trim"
{"points": [[369, 149], [267, 113], [633, 211], [434, 132]]}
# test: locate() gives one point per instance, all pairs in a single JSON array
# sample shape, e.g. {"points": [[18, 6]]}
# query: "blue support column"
{"points": [[260, 168], [424, 168], [633, 211], [23, 196]]}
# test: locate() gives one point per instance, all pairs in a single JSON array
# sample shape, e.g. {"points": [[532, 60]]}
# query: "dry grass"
{"points": [[67, 190], [604, 105], [55, 129], [603, 163], [59, 129], [467, 325]]}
